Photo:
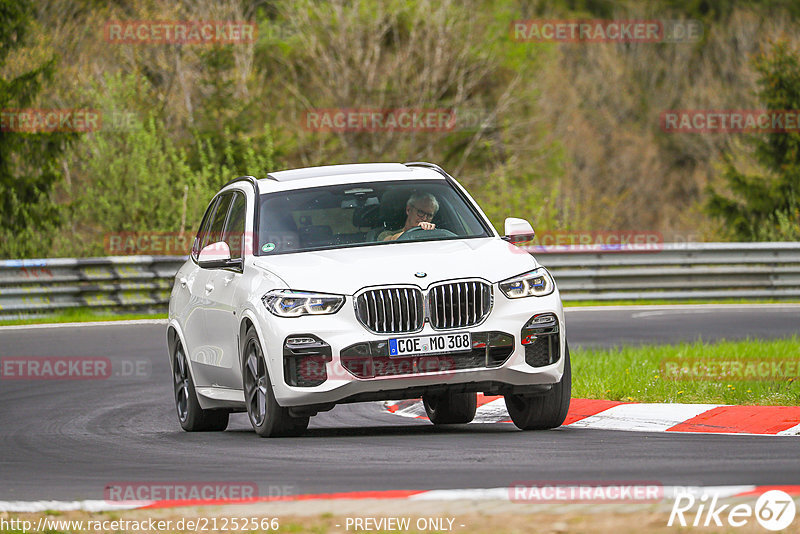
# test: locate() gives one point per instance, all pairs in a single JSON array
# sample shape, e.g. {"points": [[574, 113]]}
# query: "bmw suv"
{"points": [[319, 286]]}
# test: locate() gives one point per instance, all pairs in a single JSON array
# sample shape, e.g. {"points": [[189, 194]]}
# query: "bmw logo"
{"points": [[420, 275]]}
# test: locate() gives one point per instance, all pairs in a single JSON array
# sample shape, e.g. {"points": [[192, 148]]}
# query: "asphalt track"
{"points": [[67, 440]]}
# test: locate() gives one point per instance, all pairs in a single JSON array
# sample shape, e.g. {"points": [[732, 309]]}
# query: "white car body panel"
{"points": [[208, 322], [345, 271]]}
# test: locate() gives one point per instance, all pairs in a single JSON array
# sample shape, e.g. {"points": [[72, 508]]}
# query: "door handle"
{"points": [[209, 287], [183, 281]]}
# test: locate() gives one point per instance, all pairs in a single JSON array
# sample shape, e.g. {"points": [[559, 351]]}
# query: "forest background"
{"points": [[565, 134]]}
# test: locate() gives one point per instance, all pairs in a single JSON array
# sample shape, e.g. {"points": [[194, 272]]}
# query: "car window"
{"points": [[202, 232], [214, 233], [364, 214], [234, 228]]}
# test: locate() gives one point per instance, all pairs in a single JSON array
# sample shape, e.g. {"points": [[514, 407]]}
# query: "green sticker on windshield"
{"points": [[269, 247]]}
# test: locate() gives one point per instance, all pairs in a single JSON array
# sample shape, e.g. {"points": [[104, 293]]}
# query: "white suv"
{"points": [[365, 282]]}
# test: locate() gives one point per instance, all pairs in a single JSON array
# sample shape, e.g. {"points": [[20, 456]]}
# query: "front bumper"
{"points": [[409, 377]]}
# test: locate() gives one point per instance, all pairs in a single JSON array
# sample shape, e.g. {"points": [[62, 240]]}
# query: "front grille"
{"points": [[459, 304], [391, 310]]}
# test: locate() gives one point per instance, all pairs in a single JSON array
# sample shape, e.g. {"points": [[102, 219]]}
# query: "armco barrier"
{"points": [[120, 283], [677, 271]]}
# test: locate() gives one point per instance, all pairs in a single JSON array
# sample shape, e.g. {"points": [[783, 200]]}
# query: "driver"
{"points": [[421, 208]]}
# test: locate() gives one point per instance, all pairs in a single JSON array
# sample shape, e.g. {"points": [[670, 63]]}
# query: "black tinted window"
{"points": [[234, 228], [218, 222], [197, 246], [364, 213]]}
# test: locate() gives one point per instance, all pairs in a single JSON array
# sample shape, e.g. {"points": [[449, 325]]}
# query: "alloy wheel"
{"points": [[255, 384], [181, 379]]}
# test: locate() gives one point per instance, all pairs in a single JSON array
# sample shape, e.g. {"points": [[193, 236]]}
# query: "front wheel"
{"points": [[268, 418], [450, 408], [543, 411], [190, 415]]}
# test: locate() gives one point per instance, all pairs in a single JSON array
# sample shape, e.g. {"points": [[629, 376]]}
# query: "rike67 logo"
{"points": [[774, 510]]}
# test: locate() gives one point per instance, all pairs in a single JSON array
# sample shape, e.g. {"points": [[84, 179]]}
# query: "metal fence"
{"points": [[120, 283], [679, 271], [673, 271]]}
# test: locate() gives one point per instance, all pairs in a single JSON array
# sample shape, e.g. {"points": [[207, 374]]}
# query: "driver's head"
{"points": [[420, 207]]}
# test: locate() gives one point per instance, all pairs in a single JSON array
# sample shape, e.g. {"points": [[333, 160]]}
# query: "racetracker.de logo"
{"points": [[730, 121], [730, 369], [605, 31], [184, 32], [34, 120], [596, 241], [379, 120], [179, 491], [55, 368], [148, 243], [585, 491], [172, 243], [72, 368]]}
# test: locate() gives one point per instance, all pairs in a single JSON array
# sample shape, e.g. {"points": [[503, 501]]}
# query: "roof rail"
{"points": [[251, 179], [427, 165]]}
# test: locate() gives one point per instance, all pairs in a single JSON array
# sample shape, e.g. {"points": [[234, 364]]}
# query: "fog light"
{"points": [[540, 336], [300, 341], [305, 360], [542, 320]]}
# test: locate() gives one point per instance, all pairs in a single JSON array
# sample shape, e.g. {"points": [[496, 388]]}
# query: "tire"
{"points": [[451, 408], [268, 418], [190, 415], [546, 411]]}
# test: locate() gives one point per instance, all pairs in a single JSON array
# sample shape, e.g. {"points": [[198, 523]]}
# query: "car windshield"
{"points": [[359, 214]]}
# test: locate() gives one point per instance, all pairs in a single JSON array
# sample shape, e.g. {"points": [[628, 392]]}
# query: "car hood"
{"points": [[348, 270]]}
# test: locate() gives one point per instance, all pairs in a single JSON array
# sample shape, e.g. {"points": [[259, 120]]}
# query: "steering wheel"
{"points": [[417, 232]]}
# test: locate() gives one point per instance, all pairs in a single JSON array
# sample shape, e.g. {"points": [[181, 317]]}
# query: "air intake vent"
{"points": [[391, 310], [459, 304]]}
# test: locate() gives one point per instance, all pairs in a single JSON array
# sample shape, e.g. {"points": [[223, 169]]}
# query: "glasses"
{"points": [[422, 214]]}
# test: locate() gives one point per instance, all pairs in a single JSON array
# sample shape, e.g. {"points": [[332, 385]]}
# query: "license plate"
{"points": [[407, 346]]}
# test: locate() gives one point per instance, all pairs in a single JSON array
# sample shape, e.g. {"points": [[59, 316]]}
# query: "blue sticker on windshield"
{"points": [[269, 247]]}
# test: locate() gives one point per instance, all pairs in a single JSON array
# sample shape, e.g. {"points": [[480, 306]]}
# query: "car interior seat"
{"points": [[392, 211]]}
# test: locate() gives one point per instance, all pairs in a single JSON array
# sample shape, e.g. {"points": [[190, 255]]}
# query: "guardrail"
{"points": [[673, 271], [678, 271], [120, 283]]}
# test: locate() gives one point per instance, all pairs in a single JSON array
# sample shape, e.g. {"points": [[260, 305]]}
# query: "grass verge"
{"points": [[514, 519], [715, 373], [82, 315]]}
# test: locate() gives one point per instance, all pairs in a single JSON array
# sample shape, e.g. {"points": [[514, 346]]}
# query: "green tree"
{"points": [[766, 206], [29, 161], [137, 179]]}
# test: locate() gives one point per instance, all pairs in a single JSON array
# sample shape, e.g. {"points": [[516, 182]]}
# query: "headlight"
{"points": [[288, 303], [536, 283]]}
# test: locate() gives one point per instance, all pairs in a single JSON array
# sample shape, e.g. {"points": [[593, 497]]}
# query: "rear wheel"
{"points": [[450, 408], [268, 418], [543, 411], [191, 416]]}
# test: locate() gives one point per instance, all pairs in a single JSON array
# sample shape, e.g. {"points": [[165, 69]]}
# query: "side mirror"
{"points": [[216, 256], [518, 230]]}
